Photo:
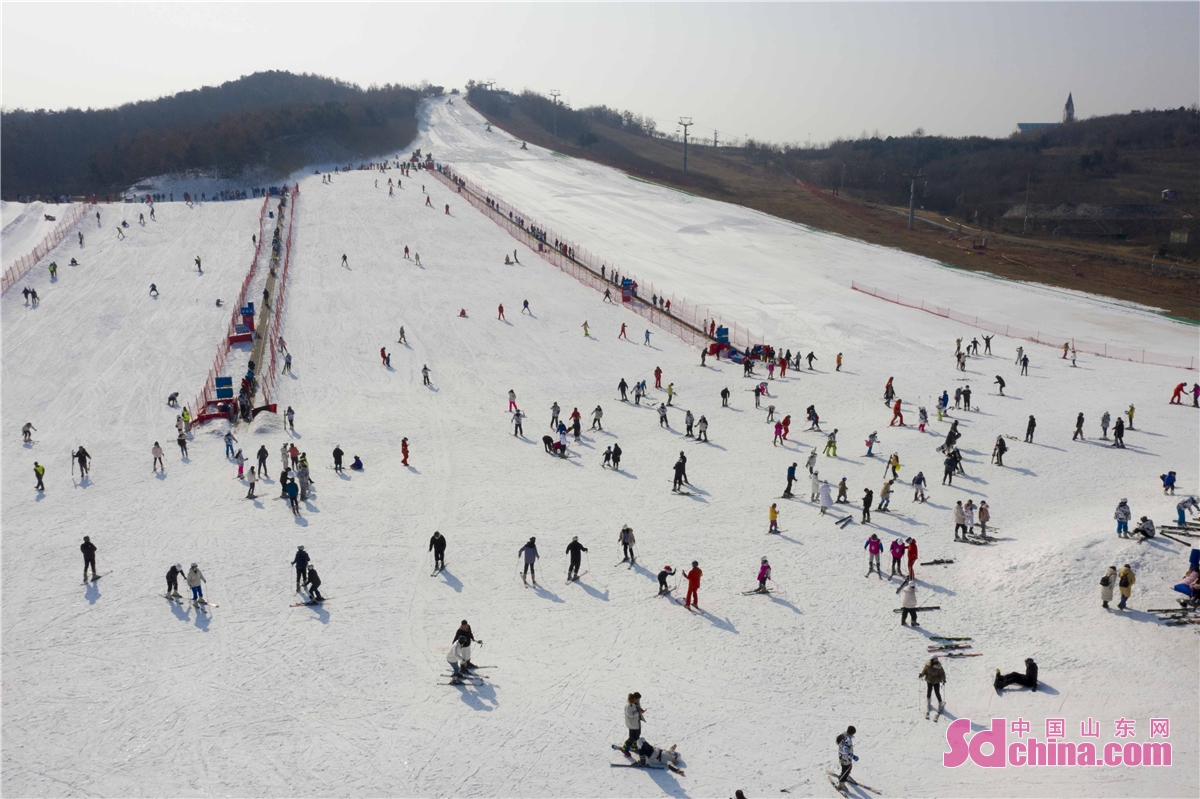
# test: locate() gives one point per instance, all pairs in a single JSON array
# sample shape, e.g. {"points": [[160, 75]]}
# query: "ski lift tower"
{"points": [[555, 94], [685, 123]]}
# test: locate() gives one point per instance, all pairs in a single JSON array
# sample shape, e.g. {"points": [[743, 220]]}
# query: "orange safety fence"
{"points": [[684, 319], [1040, 336], [18, 268]]}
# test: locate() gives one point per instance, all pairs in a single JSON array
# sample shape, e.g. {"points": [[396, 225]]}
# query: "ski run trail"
{"points": [[112, 690]]}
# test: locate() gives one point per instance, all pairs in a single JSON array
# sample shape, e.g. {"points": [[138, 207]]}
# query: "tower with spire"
{"points": [[1069, 110]]}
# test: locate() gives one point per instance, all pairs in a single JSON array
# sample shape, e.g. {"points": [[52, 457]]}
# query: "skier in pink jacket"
{"points": [[897, 550], [874, 546], [764, 574]]}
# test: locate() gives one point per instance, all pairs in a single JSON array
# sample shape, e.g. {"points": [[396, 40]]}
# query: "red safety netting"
{"points": [[18, 268], [269, 373], [1039, 336], [208, 393], [687, 321]]}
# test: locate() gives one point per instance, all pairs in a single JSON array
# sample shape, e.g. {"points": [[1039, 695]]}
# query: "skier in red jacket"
{"points": [[404, 451], [658, 377], [896, 415], [912, 556], [693, 578]]}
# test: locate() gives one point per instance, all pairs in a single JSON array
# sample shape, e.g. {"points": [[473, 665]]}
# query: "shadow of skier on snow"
{"points": [[179, 610], [92, 594], [785, 603], [480, 698], [665, 780], [452, 581], [592, 592], [546, 593]]}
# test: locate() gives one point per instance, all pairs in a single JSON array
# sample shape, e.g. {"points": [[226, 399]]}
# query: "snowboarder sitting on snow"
{"points": [[1028, 679], [357, 465], [1145, 528]]}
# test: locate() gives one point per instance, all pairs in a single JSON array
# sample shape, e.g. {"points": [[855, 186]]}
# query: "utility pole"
{"points": [[685, 123], [912, 198], [714, 138], [555, 93], [1025, 223]]}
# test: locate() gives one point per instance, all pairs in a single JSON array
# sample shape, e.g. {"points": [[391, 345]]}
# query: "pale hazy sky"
{"points": [[780, 71]]}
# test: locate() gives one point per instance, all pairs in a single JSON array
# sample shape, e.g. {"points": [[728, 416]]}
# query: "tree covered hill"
{"points": [[257, 121]]}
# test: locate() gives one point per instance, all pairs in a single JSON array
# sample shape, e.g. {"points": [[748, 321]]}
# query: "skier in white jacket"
{"points": [[194, 578], [826, 497], [816, 486], [960, 521], [634, 716]]}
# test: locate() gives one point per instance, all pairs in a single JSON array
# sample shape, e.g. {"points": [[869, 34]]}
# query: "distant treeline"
{"points": [[1121, 159], [269, 119]]}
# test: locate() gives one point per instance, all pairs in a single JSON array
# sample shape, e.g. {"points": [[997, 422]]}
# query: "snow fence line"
{"points": [[20, 267], [267, 382], [1038, 336], [685, 320], [209, 390]]}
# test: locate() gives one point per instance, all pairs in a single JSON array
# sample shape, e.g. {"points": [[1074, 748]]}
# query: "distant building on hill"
{"points": [[1067, 118]]}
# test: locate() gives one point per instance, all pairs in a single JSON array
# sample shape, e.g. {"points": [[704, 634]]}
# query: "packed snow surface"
{"points": [[25, 225], [754, 267], [111, 689]]}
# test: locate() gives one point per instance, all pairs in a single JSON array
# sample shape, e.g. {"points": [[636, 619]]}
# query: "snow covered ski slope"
{"points": [[25, 225], [111, 689], [753, 266]]}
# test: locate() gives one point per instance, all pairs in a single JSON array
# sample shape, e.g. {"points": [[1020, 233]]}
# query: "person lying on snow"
{"points": [[648, 755]]}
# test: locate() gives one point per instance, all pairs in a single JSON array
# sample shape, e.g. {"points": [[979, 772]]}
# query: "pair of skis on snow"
{"points": [[199, 604], [842, 790], [96, 577], [468, 678]]}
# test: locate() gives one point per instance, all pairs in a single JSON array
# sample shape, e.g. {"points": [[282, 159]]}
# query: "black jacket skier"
{"points": [[574, 549], [437, 545], [868, 496], [314, 584], [301, 564], [623, 387], [337, 459], [173, 575], [84, 459], [89, 557], [616, 457]]}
